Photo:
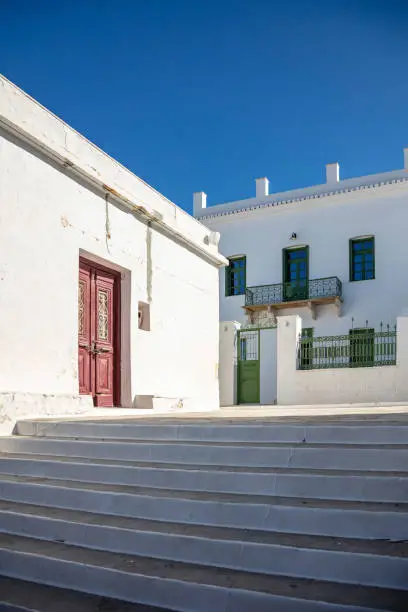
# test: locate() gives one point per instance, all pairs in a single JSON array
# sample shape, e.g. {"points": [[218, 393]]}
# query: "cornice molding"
{"points": [[312, 196]]}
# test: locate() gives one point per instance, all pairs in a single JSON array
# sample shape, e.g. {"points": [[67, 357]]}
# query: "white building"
{"points": [[335, 254], [94, 262]]}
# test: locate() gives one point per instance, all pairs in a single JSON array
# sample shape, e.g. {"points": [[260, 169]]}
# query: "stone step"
{"points": [[369, 562], [22, 596], [366, 486], [182, 587], [378, 458], [269, 513], [191, 467], [136, 430]]}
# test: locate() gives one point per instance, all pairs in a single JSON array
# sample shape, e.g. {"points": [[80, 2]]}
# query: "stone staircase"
{"points": [[202, 515]]}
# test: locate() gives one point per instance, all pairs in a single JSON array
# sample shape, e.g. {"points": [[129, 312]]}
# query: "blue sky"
{"points": [[208, 95]]}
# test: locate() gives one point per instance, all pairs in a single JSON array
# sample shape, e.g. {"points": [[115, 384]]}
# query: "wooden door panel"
{"points": [[248, 376], [104, 339], [98, 353], [84, 331], [248, 368], [84, 372], [104, 371], [104, 332]]}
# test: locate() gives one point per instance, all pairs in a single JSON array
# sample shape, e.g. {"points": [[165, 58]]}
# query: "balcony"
{"points": [[304, 293]]}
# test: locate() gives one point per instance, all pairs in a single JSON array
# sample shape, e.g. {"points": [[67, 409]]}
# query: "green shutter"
{"points": [[307, 263], [228, 281], [373, 239], [351, 259], [284, 265], [229, 273]]}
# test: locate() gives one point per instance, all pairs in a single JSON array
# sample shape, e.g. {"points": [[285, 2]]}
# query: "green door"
{"points": [[361, 347], [248, 367], [295, 274], [306, 349]]}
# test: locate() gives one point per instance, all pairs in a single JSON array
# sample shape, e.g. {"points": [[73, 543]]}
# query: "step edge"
{"points": [[171, 582], [329, 556]]}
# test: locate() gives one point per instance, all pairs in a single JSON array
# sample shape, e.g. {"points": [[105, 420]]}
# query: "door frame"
{"points": [[285, 279], [239, 361], [117, 321]]}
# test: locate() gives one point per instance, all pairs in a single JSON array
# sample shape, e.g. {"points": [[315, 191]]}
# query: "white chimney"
{"points": [[199, 202], [332, 173], [262, 187], [406, 159]]}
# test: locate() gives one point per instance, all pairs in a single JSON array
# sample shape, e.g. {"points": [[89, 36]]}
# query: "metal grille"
{"points": [[292, 291], [103, 315], [248, 348], [360, 348]]}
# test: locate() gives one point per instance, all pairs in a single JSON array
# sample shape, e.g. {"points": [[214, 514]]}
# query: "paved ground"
{"points": [[289, 414]]}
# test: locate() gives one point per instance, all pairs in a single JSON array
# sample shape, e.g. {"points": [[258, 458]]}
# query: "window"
{"points": [[235, 276], [362, 259]]}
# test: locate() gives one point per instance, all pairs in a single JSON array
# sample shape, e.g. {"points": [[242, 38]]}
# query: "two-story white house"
{"points": [[333, 253]]}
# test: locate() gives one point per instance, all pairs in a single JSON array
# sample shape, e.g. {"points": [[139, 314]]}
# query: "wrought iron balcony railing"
{"points": [[315, 289]]}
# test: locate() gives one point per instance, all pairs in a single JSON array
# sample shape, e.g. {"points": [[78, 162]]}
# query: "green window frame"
{"points": [[362, 259], [235, 276]]}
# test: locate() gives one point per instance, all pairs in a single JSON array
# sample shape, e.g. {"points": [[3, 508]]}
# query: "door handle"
{"points": [[97, 351]]}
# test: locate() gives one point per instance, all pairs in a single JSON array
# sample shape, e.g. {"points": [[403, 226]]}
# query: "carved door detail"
{"points": [[97, 334]]}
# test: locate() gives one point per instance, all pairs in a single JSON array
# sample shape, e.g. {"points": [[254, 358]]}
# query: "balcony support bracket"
{"points": [[250, 316], [312, 308], [337, 304], [272, 313]]}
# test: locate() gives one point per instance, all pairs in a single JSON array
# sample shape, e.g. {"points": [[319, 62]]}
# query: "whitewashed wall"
{"points": [[324, 224], [228, 365], [268, 365], [338, 385], [47, 219]]}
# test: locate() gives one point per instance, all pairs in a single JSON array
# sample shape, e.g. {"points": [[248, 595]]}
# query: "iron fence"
{"points": [[359, 348], [293, 291]]}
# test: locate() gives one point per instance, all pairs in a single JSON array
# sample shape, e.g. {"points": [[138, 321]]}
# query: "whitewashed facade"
{"points": [[61, 198], [326, 220]]}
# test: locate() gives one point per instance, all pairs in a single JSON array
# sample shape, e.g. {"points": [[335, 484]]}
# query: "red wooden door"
{"points": [[98, 334]]}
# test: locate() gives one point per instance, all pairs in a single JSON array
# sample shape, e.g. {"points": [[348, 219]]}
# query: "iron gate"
{"points": [[248, 367]]}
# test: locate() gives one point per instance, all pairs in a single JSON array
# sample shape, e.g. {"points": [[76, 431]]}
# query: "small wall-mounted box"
{"points": [[144, 316]]}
